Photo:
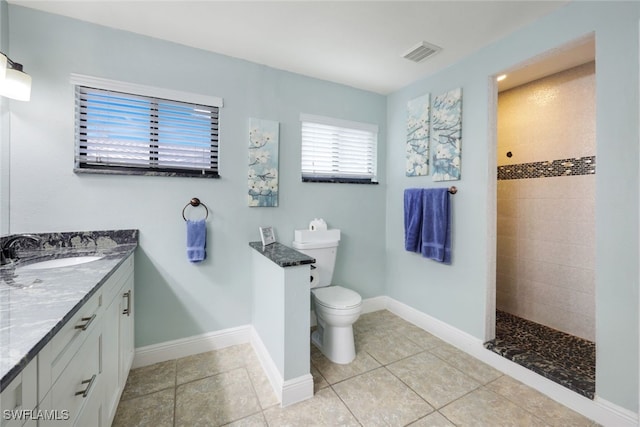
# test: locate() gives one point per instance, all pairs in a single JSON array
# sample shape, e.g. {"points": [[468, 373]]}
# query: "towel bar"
{"points": [[453, 190], [195, 202]]}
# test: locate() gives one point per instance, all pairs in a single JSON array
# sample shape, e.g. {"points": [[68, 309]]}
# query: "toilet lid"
{"points": [[337, 297]]}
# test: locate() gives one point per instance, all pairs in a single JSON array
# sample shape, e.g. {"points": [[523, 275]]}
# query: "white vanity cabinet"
{"points": [[82, 370], [19, 397]]}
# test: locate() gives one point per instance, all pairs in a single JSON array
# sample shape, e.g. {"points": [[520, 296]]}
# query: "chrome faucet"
{"points": [[8, 251]]}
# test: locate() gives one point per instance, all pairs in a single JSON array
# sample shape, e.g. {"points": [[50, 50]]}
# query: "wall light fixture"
{"points": [[14, 82]]}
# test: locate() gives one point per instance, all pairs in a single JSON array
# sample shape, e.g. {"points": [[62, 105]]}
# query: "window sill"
{"points": [[142, 173], [341, 180]]}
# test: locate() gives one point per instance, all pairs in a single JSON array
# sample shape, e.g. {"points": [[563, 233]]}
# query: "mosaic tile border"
{"points": [[549, 168]]}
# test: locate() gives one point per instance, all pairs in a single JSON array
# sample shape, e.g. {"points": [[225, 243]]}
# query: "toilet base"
{"points": [[336, 343]]}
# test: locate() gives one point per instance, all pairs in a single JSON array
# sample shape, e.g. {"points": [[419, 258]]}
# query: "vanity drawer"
{"points": [[64, 345], [78, 383]]}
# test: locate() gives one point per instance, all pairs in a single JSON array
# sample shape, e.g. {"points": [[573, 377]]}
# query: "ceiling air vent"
{"points": [[422, 51]]}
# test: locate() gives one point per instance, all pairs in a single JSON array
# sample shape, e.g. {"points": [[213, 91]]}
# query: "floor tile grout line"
{"points": [[145, 394], [415, 391], [543, 419], [210, 376], [255, 392], [345, 405], [463, 372]]}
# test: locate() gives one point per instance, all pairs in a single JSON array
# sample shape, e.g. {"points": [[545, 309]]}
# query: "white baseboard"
{"points": [[617, 415], [175, 349], [370, 305], [268, 365], [296, 390], [290, 391], [599, 410]]}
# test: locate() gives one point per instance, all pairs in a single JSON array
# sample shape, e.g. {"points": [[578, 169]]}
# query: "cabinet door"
{"points": [[117, 350], [126, 330], [111, 358]]}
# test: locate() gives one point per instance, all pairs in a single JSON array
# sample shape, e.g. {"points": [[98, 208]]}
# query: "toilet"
{"points": [[337, 308]]}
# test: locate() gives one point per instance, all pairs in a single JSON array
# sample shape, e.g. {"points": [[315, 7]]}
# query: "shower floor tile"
{"points": [[565, 359]]}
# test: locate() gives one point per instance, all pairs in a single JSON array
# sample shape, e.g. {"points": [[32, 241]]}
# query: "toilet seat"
{"points": [[337, 297]]}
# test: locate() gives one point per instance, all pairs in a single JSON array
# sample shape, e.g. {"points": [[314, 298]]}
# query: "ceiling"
{"points": [[356, 43]]}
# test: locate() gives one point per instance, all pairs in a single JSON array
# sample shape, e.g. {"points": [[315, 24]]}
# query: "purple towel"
{"points": [[196, 240], [436, 229], [413, 219]]}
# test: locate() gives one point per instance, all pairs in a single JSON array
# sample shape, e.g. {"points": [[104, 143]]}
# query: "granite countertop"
{"points": [[35, 304], [282, 255]]}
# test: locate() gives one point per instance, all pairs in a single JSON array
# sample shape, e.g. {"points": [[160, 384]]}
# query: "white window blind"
{"points": [[119, 132], [336, 150]]}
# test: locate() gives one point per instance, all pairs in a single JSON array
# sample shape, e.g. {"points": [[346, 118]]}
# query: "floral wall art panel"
{"points": [[446, 135], [418, 136], [263, 162]]}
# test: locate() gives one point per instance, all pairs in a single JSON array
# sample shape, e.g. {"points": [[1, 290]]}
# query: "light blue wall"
{"points": [[456, 294], [176, 299]]}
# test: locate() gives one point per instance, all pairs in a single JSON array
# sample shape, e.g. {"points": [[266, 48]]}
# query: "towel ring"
{"points": [[195, 202]]}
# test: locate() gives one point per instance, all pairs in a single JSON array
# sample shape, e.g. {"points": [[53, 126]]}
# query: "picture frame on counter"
{"points": [[267, 236]]}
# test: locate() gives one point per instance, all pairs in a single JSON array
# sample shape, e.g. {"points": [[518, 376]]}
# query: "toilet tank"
{"points": [[323, 246]]}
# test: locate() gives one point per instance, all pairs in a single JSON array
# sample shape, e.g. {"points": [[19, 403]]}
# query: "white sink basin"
{"points": [[61, 262]]}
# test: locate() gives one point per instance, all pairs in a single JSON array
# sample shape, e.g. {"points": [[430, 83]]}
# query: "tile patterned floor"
{"points": [[401, 376], [560, 357]]}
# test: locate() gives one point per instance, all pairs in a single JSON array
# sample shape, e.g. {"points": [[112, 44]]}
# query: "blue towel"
{"points": [[196, 240], [413, 219], [436, 229]]}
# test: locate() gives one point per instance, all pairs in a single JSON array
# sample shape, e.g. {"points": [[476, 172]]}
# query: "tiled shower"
{"points": [[546, 202]]}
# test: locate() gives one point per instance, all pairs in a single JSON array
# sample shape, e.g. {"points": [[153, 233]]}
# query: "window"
{"points": [[338, 150], [123, 128]]}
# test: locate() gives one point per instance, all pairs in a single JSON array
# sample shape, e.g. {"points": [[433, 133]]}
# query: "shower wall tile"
{"points": [[573, 278], [580, 325], [508, 189], [563, 298], [506, 301], [507, 265], [507, 284], [546, 224], [581, 302], [551, 118], [573, 210], [557, 187], [507, 226], [507, 245], [506, 208], [558, 231], [559, 253]]}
